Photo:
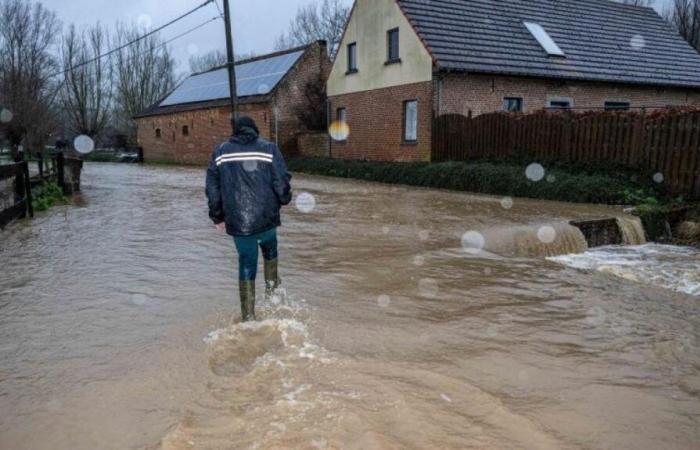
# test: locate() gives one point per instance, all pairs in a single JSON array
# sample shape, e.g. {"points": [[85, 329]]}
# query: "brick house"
{"points": [[403, 62], [186, 125]]}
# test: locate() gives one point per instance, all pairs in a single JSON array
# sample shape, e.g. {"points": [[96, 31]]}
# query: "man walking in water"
{"points": [[247, 184]]}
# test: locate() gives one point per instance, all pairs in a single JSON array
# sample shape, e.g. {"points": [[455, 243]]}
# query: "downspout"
{"points": [[328, 125], [277, 137]]}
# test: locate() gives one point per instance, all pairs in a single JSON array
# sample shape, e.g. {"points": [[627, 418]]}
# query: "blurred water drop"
{"points": [[638, 42], [83, 144], [339, 131], [547, 234], [535, 172], [473, 242], [506, 203], [6, 115], [305, 202]]}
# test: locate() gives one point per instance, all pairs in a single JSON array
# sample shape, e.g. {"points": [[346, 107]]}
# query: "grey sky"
{"points": [[256, 22]]}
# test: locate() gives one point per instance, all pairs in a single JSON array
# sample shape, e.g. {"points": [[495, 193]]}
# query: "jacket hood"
{"points": [[245, 135]]}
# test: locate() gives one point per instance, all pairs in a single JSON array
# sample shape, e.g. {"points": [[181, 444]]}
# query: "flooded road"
{"points": [[118, 327]]}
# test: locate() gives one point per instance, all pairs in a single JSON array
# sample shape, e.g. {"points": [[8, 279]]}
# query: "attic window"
{"points": [[544, 39]]}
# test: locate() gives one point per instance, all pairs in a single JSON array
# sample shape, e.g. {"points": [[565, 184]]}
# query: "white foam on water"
{"points": [[667, 266]]}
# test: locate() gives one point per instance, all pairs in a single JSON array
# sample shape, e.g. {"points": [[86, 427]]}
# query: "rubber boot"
{"points": [[272, 280], [247, 290]]}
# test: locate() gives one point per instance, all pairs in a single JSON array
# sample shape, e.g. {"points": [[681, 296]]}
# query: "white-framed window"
{"points": [[410, 121]]}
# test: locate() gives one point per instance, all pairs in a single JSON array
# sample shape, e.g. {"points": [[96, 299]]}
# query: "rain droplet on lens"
{"points": [[659, 178], [339, 130], [383, 301], [637, 42], [250, 166], [535, 172], [506, 203], [473, 242], [5, 115], [305, 202], [83, 144], [547, 234]]}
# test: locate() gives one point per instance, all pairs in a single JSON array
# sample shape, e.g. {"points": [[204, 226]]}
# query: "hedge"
{"points": [[488, 177]]}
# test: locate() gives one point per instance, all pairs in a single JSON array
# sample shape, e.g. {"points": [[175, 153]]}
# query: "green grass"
{"points": [[577, 184], [49, 195]]}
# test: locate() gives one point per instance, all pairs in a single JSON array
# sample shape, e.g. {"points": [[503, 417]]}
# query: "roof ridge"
{"points": [[261, 57]]}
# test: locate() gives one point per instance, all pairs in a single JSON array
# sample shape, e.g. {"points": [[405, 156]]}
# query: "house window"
{"points": [[342, 115], [617, 106], [559, 103], [513, 104], [410, 121], [392, 40], [157, 133], [185, 130], [352, 58]]}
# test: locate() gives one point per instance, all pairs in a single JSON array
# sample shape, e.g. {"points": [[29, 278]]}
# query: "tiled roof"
{"points": [[602, 40]]}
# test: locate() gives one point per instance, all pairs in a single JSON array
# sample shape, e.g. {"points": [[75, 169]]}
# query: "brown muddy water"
{"points": [[118, 325]]}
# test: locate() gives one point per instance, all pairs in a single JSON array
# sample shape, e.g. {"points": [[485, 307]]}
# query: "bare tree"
{"points": [[27, 68], [212, 59], [685, 16], [207, 61], [144, 73], [87, 90], [323, 20]]}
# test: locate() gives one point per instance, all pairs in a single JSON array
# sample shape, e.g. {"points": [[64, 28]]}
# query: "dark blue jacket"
{"points": [[247, 183]]}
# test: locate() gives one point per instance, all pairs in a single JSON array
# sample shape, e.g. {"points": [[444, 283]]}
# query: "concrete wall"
{"points": [[368, 26], [375, 119], [462, 93]]}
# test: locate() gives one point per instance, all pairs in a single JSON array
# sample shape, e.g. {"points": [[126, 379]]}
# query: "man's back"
{"points": [[247, 183]]}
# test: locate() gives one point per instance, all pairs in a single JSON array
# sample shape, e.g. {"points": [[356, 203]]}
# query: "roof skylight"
{"points": [[544, 39]]}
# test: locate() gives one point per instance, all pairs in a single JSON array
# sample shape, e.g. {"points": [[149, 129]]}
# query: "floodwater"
{"points": [[118, 326]]}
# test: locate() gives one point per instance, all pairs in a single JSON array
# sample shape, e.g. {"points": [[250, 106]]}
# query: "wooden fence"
{"points": [[666, 142], [22, 195]]}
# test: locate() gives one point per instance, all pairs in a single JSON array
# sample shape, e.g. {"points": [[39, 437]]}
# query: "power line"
{"points": [[140, 38], [221, 13]]}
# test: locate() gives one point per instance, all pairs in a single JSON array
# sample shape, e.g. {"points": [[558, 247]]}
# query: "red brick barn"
{"points": [[187, 124], [403, 62]]}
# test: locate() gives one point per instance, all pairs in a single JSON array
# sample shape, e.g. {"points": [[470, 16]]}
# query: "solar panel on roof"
{"points": [[253, 78]]}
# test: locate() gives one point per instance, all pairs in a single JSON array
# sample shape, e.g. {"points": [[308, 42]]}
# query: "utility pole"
{"points": [[230, 63]]}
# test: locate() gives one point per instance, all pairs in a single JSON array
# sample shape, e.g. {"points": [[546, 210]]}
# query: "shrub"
{"points": [[49, 195], [488, 177]]}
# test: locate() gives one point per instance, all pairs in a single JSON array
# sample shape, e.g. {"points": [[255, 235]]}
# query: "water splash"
{"points": [[666, 266]]}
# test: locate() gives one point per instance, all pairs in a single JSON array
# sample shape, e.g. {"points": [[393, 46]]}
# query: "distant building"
{"points": [[188, 123], [403, 62]]}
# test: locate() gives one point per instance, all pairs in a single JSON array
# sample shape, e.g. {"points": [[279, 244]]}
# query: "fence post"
{"points": [[566, 136], [28, 188], [140, 153], [60, 172]]}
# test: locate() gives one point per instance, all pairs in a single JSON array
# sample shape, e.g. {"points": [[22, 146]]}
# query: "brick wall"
{"points": [[313, 67], [207, 129], [313, 144], [481, 94], [375, 119]]}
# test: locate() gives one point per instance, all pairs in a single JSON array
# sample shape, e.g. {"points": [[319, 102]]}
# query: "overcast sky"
{"points": [[256, 23]]}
